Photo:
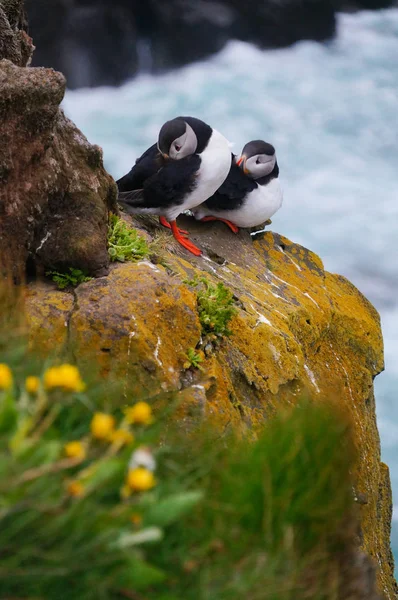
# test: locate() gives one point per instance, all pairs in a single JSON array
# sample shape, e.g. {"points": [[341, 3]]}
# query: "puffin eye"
{"points": [[177, 147], [258, 161]]}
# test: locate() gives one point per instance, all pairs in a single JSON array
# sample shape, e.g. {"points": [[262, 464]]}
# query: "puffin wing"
{"points": [[145, 166], [132, 198], [170, 185], [231, 194]]}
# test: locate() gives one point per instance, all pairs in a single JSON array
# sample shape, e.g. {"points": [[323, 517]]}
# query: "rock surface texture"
{"points": [[54, 191], [298, 329]]}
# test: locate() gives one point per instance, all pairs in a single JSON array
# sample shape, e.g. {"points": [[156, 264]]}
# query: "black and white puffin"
{"points": [[251, 193], [186, 166]]}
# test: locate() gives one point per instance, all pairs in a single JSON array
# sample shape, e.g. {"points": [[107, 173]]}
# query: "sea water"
{"points": [[331, 111]]}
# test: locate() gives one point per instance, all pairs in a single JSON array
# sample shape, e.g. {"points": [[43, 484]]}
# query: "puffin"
{"points": [[184, 168], [251, 193]]}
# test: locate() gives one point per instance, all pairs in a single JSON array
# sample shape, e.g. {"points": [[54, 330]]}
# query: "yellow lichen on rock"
{"points": [[47, 311], [138, 324], [298, 329]]}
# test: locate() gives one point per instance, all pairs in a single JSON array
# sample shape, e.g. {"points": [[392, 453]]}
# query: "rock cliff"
{"points": [[55, 193], [297, 329]]}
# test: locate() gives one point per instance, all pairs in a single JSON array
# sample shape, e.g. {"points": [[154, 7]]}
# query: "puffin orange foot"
{"points": [[232, 226], [183, 240], [163, 221]]}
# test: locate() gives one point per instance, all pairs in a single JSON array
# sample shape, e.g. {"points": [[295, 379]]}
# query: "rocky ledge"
{"points": [[298, 330]]}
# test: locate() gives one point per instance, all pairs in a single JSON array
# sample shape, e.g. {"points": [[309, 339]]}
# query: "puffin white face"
{"points": [[177, 139], [257, 159], [185, 145]]}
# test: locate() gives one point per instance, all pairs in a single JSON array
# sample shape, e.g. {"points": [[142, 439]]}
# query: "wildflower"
{"points": [[5, 377], [121, 436], [75, 489], [136, 519], [140, 413], [65, 376], [102, 426], [140, 479], [32, 384], [75, 450], [142, 457]]}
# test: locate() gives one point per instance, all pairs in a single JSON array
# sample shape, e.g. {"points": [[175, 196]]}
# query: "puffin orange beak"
{"points": [[165, 156], [242, 159]]}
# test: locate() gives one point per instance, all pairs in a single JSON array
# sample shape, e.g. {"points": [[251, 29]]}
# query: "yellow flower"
{"points": [[64, 376], [75, 489], [102, 426], [121, 436], [136, 519], [32, 384], [75, 450], [5, 377], [140, 413], [140, 479]]}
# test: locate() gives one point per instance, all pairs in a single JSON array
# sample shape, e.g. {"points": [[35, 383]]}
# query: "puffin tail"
{"points": [[132, 201]]}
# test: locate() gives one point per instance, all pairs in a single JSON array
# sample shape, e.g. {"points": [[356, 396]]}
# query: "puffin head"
{"points": [[257, 159], [182, 137]]}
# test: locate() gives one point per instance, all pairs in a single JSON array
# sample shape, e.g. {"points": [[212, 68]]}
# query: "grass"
{"points": [[276, 515], [125, 243], [216, 306], [70, 278]]}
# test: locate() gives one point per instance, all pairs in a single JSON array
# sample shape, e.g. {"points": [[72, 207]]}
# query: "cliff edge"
{"points": [[297, 329]]}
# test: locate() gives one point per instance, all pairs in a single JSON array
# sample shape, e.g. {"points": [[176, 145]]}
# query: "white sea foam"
{"points": [[331, 112]]}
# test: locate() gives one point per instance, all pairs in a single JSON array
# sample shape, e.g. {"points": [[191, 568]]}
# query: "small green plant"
{"points": [[193, 359], [71, 278], [215, 305], [125, 243]]}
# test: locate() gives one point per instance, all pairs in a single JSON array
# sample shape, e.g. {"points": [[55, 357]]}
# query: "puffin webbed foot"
{"points": [[183, 240], [232, 226], [163, 221]]}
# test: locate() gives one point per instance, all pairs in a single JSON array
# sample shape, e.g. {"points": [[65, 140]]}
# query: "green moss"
{"points": [[215, 306], [125, 243], [193, 359], [71, 278]]}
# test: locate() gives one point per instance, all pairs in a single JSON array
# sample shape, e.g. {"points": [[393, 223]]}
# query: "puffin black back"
{"points": [[172, 183], [145, 166], [233, 191]]}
